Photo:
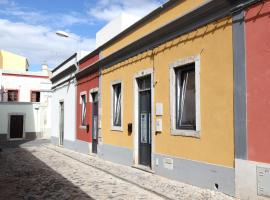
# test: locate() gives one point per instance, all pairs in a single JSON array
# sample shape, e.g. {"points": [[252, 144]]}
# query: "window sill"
{"points": [[187, 133], [82, 127], [117, 128]]}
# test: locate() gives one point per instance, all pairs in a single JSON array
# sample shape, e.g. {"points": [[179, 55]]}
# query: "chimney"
{"points": [[45, 69]]}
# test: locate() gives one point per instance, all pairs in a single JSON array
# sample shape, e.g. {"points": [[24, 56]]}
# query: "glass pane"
{"points": [[187, 117], [83, 109], [144, 83], [144, 129], [185, 99], [117, 105]]}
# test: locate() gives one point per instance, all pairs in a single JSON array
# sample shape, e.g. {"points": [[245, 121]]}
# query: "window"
{"points": [[185, 97], [13, 95], [83, 109], [35, 96], [117, 104]]}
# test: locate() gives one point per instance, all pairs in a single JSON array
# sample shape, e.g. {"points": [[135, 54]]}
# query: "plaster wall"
{"points": [[216, 142]]}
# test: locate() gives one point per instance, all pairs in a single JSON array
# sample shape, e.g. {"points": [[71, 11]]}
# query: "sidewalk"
{"points": [[161, 186]]}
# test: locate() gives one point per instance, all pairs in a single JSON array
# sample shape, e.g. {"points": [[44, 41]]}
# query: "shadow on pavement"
{"points": [[23, 143], [23, 176]]}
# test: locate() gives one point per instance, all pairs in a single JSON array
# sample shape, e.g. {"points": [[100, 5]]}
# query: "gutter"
{"points": [[66, 61], [244, 5], [154, 13]]}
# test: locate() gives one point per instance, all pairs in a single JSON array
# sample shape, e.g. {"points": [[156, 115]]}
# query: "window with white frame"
{"points": [[116, 103], [185, 97], [83, 109]]}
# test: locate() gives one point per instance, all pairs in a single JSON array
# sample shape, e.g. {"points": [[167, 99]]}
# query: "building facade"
{"points": [[179, 94], [12, 61], [64, 103], [252, 82], [87, 103], [25, 99], [160, 109]]}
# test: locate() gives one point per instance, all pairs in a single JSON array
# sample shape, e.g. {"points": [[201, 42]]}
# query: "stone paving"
{"points": [[167, 188], [48, 172]]}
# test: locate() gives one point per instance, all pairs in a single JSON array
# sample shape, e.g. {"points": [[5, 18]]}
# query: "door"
{"points": [[61, 121], [94, 122], [145, 121], [16, 127]]}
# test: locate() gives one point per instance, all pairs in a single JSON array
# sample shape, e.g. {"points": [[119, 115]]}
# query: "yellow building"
{"points": [[167, 91], [13, 62]]}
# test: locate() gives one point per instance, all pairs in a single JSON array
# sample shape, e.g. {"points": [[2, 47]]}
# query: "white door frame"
{"points": [[142, 73], [12, 114]]}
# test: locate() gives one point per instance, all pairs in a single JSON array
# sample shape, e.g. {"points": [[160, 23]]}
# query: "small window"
{"points": [[83, 110], [13, 95], [117, 104], [185, 97], [35, 96]]}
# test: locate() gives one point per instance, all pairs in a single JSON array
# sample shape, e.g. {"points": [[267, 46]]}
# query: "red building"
{"points": [[87, 100], [253, 144]]}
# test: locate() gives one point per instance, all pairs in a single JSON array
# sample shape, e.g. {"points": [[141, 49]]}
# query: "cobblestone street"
{"points": [[48, 172]]}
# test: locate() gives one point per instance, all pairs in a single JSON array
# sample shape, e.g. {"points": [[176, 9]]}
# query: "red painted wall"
{"points": [[86, 84], [89, 62], [257, 28]]}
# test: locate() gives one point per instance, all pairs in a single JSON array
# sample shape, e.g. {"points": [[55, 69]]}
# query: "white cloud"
{"points": [[39, 43], [108, 9], [30, 16]]}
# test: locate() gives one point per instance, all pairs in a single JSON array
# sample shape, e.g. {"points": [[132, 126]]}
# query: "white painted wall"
{"points": [[25, 85], [114, 27], [65, 93], [31, 111]]}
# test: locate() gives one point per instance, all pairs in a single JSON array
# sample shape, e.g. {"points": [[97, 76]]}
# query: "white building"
{"points": [[64, 102], [114, 27], [25, 99]]}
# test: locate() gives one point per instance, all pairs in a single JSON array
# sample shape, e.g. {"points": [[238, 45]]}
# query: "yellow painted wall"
{"points": [[11, 61], [181, 7], [214, 45]]}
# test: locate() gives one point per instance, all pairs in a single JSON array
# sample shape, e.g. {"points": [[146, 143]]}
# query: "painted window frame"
{"points": [[173, 67], [113, 127], [91, 91], [81, 103]]}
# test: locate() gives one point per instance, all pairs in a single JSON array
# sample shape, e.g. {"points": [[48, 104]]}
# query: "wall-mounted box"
{"points": [[159, 109], [158, 125]]}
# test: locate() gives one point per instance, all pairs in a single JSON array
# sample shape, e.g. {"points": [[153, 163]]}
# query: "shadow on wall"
{"points": [[199, 33], [23, 176], [261, 11]]}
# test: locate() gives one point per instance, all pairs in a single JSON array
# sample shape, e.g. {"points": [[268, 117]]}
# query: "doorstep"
{"points": [[143, 168]]}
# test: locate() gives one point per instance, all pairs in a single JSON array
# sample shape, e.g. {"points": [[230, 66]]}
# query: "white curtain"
{"points": [[181, 96], [117, 106], [83, 109]]}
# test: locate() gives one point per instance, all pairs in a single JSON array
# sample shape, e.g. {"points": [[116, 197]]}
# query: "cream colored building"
{"points": [[12, 61]]}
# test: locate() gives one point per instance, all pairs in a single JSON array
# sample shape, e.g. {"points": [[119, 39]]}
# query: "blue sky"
{"points": [[27, 27]]}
